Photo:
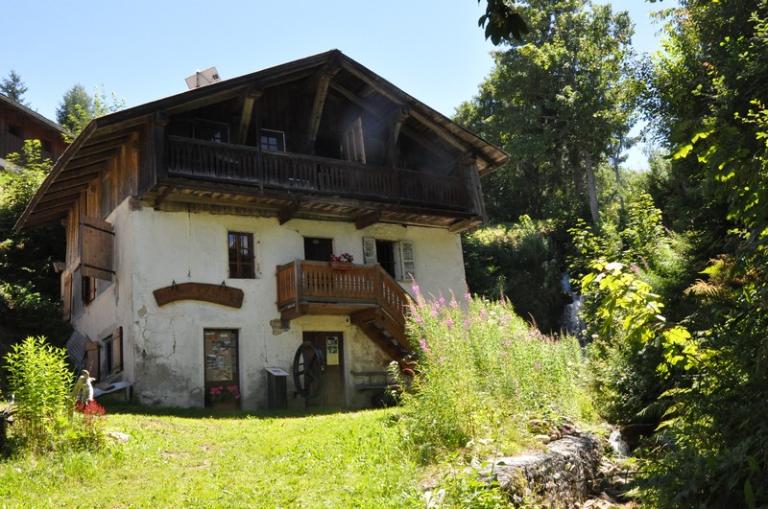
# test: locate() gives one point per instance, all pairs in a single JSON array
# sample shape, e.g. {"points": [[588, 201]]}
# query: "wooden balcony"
{"points": [[304, 174], [374, 301]]}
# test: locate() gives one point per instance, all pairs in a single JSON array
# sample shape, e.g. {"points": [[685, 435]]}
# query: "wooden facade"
{"points": [[19, 123]]}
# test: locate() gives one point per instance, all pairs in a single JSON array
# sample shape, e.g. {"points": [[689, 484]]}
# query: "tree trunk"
{"points": [[592, 189]]}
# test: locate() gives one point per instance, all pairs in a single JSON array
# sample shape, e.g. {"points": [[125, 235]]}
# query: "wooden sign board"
{"points": [[217, 294]]}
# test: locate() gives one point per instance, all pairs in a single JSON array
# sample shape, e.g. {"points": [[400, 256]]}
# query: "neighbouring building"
{"points": [[19, 123], [209, 233]]}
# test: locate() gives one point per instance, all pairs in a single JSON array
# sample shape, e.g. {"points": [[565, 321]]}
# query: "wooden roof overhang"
{"points": [[102, 138], [176, 194]]}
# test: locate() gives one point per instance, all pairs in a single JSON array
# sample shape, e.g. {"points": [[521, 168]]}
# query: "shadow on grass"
{"points": [[208, 413]]}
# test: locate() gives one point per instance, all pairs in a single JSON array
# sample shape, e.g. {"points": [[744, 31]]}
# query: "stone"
{"points": [[118, 436], [563, 476]]}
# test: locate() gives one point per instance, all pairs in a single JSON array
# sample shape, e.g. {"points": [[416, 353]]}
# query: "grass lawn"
{"points": [[192, 460]]}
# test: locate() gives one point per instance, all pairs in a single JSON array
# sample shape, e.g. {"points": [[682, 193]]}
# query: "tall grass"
{"points": [[483, 373]]}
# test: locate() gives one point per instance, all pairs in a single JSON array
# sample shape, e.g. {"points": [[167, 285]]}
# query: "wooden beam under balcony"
{"points": [[287, 213], [367, 219]]}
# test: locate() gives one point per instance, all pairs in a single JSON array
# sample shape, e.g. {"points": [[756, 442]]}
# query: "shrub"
{"points": [[520, 262], [482, 372], [41, 383]]}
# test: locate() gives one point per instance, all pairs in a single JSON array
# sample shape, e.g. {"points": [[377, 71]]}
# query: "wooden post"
{"points": [[396, 122], [297, 264], [249, 100], [157, 149]]}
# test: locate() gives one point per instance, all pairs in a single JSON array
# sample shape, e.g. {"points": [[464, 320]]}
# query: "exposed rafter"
{"points": [[249, 100], [323, 79]]}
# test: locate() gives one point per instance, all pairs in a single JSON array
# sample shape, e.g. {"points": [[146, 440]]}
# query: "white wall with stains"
{"points": [[164, 345]]}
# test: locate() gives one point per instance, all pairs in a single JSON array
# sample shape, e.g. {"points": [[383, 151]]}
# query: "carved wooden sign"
{"points": [[217, 294]]}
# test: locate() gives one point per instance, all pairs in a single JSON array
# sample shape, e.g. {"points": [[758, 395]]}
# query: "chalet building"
{"points": [[208, 233], [19, 123]]}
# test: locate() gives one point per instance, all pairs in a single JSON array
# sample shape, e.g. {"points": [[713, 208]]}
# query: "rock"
{"points": [[561, 477], [118, 436]]}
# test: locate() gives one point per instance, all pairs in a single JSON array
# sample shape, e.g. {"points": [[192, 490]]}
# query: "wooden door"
{"points": [[222, 378], [331, 346]]}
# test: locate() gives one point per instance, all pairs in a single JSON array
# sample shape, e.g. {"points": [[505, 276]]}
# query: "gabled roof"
{"points": [[103, 132], [30, 112]]}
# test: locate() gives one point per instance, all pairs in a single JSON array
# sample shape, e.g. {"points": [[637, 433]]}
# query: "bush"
{"points": [[482, 372], [520, 262], [41, 383]]}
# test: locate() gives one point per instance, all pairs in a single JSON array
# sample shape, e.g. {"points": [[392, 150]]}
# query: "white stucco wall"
{"points": [[164, 345]]}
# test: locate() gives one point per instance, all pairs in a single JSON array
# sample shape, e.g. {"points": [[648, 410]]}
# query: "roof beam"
{"points": [[82, 162], [249, 100], [393, 133], [324, 78]]}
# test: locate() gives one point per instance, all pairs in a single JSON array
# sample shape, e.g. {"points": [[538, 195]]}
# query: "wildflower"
{"points": [[441, 301], [448, 322], [423, 345]]}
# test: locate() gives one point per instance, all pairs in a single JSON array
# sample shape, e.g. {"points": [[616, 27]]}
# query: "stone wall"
{"points": [[563, 476]]}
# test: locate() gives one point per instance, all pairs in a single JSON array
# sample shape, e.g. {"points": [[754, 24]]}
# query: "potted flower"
{"points": [[224, 397], [344, 260]]}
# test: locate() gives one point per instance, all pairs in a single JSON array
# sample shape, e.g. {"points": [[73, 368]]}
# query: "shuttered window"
{"points": [[397, 258], [354, 147], [241, 255], [113, 352]]}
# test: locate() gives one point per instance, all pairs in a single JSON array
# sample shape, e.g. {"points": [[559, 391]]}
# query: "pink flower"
{"points": [[423, 345], [441, 300], [448, 322]]}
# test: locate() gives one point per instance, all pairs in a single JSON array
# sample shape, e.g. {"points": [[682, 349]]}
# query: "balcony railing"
{"points": [[241, 164], [309, 282]]}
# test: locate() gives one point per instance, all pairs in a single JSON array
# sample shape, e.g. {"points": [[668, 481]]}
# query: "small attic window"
{"points": [[271, 140]]}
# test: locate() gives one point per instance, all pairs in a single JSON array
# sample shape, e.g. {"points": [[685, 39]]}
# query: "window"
{"points": [[46, 145], [88, 289], [15, 131], [241, 255], [396, 258], [209, 130], [113, 352], [271, 140], [318, 249], [105, 195]]}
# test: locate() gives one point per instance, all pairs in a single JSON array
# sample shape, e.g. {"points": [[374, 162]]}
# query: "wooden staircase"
{"points": [[374, 301]]}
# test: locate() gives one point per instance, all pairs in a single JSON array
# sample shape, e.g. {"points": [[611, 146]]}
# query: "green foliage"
{"points": [[519, 262], [481, 372], [29, 289], [77, 108], [708, 102], [558, 101], [13, 87], [40, 380]]}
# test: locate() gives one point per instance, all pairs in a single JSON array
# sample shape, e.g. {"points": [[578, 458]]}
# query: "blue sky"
{"points": [[143, 50]]}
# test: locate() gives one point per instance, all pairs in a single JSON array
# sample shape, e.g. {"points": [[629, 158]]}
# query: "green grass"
{"points": [[189, 459]]}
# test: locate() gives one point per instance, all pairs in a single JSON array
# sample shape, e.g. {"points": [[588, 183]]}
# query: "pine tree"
{"points": [[13, 88]]}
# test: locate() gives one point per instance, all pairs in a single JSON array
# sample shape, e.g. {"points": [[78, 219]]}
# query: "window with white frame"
{"points": [[395, 257]]}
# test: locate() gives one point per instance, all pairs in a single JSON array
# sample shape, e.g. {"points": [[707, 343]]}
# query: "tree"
{"points": [[77, 108], [29, 288], [13, 87], [556, 101]]}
